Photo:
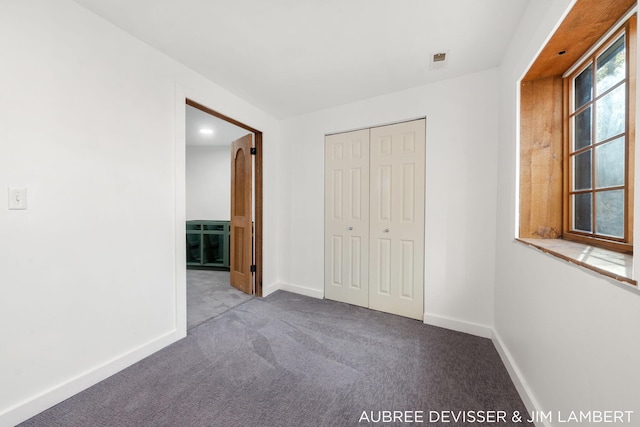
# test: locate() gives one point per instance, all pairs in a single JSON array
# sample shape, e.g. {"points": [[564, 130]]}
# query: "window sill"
{"points": [[616, 265]]}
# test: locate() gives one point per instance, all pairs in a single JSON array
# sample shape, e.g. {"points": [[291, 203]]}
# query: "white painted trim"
{"points": [[56, 394], [48, 398], [507, 359], [179, 183], [379, 125], [471, 328], [518, 379], [296, 289], [269, 289]]}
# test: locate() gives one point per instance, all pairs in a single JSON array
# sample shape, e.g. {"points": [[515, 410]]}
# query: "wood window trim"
{"points": [[542, 139], [624, 244], [613, 264]]}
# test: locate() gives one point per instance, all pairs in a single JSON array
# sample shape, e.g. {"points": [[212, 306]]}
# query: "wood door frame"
{"points": [[257, 191]]}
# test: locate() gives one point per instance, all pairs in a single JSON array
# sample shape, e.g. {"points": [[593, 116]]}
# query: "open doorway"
{"points": [[211, 185]]}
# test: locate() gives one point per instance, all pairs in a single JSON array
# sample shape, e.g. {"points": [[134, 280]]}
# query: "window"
{"points": [[599, 133], [577, 133]]}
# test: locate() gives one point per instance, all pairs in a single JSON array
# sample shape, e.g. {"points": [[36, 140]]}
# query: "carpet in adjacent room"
{"points": [[209, 294]]}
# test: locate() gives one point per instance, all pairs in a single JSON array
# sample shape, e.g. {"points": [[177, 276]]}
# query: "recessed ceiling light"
{"points": [[206, 131]]}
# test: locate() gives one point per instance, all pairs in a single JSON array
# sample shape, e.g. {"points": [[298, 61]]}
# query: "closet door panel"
{"points": [[347, 217], [397, 174]]}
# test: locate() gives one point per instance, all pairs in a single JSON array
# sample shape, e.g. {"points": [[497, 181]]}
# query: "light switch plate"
{"points": [[17, 198]]}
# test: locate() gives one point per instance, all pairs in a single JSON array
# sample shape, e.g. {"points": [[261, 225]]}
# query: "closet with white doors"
{"points": [[374, 218]]}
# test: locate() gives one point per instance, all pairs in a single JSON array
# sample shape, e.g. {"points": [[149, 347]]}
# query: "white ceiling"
{"points": [[290, 57], [224, 133]]}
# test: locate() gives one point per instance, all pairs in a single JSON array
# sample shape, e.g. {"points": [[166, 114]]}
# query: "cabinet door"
{"points": [[397, 162], [213, 248], [194, 248], [347, 217]]}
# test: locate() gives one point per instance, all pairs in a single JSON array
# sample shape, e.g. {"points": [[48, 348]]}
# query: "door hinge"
{"points": [[253, 268], [253, 150]]}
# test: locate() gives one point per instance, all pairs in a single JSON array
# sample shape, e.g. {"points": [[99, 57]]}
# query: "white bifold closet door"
{"points": [[374, 218], [347, 217]]}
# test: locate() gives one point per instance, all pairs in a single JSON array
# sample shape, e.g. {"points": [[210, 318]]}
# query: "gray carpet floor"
{"points": [[209, 294], [289, 360]]}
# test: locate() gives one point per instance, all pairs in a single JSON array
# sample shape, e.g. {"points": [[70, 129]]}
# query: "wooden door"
{"points": [[347, 217], [397, 163], [241, 234]]}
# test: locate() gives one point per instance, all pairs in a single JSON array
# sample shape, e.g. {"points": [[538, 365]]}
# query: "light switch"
{"points": [[17, 198]]}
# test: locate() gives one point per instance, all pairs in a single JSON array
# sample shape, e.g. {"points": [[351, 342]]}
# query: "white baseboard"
{"points": [[48, 398], [458, 325], [269, 289], [488, 332], [55, 395], [518, 380], [296, 289]]}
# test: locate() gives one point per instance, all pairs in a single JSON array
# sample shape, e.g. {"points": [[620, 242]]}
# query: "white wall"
{"points": [[93, 272], [93, 276], [460, 192], [573, 336], [208, 183]]}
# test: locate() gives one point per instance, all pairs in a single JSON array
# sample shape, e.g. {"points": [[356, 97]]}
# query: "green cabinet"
{"points": [[208, 243]]}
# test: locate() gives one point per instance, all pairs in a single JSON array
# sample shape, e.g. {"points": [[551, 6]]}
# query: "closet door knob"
{"points": [[386, 230], [350, 228]]}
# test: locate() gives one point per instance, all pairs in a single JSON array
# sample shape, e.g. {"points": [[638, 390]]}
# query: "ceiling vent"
{"points": [[439, 60]]}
